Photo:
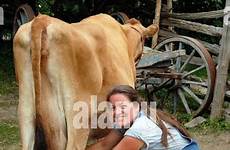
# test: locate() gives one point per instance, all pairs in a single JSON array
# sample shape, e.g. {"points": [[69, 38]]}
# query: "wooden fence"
{"points": [[186, 21]]}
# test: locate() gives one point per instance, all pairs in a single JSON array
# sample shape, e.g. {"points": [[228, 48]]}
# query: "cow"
{"points": [[58, 64]]}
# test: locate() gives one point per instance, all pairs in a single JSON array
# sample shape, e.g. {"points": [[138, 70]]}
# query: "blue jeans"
{"points": [[192, 146]]}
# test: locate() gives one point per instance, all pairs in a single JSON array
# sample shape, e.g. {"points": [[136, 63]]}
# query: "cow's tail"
{"points": [[38, 44]]}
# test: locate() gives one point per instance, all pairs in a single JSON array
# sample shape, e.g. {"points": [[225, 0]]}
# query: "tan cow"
{"points": [[58, 64]]}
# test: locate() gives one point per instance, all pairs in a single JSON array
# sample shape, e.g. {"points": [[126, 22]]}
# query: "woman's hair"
{"points": [[161, 116]]}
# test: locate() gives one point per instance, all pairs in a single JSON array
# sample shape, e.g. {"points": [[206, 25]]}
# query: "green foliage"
{"points": [[209, 126], [183, 117], [44, 6], [7, 75], [213, 126], [143, 94]]}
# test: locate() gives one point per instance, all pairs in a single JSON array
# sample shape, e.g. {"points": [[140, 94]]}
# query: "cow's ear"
{"points": [[150, 30]]}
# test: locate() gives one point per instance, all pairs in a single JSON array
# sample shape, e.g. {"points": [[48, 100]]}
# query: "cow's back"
{"points": [[111, 50]]}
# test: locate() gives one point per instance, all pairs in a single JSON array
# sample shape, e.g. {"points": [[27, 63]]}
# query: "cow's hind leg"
{"points": [[77, 136], [78, 140], [23, 68], [52, 118], [26, 120]]}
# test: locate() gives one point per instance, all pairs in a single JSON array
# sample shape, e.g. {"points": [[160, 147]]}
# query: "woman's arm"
{"points": [[108, 142], [129, 143]]}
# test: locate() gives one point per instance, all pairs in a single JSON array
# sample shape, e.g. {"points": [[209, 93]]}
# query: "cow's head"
{"points": [[136, 34]]}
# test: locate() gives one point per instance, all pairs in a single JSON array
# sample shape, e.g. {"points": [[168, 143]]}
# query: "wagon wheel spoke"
{"points": [[178, 60], [171, 46], [180, 45], [193, 71], [162, 84], [203, 84], [19, 23], [167, 48], [182, 97], [23, 17], [187, 61], [187, 90]]}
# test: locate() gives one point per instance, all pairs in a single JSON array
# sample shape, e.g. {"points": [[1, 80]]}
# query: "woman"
{"points": [[138, 130]]}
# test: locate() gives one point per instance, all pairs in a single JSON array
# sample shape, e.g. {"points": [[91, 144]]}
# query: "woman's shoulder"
{"points": [[144, 122]]}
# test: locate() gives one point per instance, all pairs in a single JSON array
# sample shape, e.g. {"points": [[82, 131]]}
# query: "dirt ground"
{"points": [[214, 141], [8, 112]]}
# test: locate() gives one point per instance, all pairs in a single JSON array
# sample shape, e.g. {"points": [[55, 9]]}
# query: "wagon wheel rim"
{"points": [[120, 17], [23, 14], [186, 83]]}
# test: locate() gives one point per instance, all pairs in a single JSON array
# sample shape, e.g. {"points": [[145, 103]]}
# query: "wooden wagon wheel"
{"points": [[196, 85], [23, 14], [120, 17]]}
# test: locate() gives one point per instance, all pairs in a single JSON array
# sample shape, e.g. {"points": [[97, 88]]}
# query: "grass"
{"points": [[202, 74], [9, 133], [7, 86]]}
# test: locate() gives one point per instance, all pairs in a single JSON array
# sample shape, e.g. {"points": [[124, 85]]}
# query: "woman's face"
{"points": [[124, 111]]}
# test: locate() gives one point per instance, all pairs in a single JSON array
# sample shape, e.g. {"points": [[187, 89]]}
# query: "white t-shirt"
{"points": [[146, 130]]}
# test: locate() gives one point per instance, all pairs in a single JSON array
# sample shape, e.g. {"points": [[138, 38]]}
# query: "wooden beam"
{"points": [[212, 48], [156, 21], [170, 8], [194, 16], [164, 8], [193, 26], [1, 16], [222, 70]]}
